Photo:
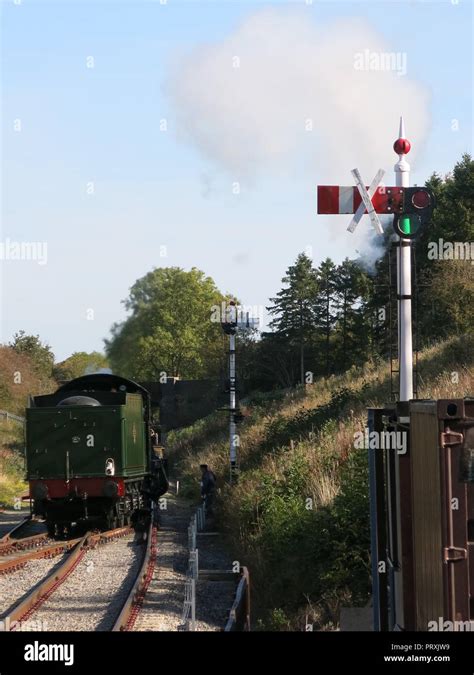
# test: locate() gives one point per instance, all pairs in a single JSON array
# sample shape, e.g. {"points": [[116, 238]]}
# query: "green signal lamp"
{"points": [[408, 225], [417, 208]]}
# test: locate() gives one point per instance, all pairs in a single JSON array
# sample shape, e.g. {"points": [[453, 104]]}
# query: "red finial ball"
{"points": [[402, 146]]}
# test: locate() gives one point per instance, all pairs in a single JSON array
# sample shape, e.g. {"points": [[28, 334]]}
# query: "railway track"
{"points": [[77, 593], [12, 546], [16, 558], [133, 604], [25, 541], [27, 533], [82, 585], [39, 594], [11, 518], [17, 526]]}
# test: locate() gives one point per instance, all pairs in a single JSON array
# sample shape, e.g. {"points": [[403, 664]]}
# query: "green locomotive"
{"points": [[89, 453]]}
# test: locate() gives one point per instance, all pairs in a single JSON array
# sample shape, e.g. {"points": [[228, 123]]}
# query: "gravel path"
{"points": [[163, 605], [213, 598], [92, 596], [213, 602]]}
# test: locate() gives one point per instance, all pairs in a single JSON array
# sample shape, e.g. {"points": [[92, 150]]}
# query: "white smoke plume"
{"points": [[285, 94]]}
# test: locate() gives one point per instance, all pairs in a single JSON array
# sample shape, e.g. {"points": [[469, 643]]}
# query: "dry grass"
{"points": [[207, 441]]}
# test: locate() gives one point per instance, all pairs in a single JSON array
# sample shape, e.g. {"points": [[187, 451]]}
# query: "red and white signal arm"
{"points": [[334, 199]]}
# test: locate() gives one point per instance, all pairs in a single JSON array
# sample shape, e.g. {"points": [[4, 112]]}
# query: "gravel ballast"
{"points": [[91, 598]]}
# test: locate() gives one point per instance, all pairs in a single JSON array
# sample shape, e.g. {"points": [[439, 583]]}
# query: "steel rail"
{"points": [[16, 563], [38, 595], [131, 608], [6, 537], [13, 545]]}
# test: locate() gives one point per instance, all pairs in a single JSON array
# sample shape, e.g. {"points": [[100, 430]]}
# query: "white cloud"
{"points": [[251, 119]]}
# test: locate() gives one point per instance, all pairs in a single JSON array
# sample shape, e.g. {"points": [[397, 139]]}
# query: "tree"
{"points": [[443, 289], [79, 363], [276, 363], [40, 354], [327, 278], [294, 307], [453, 290], [173, 327], [446, 291], [352, 290]]}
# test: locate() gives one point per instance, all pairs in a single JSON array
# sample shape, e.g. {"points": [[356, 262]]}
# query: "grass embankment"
{"points": [[17, 380], [299, 515], [12, 467]]}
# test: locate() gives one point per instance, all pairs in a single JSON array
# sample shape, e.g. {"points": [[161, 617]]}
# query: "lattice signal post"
{"points": [[235, 321]]}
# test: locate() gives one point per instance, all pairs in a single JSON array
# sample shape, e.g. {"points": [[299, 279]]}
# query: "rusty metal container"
{"points": [[442, 505], [422, 517]]}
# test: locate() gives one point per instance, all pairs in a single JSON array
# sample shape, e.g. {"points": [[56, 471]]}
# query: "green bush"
{"points": [[310, 554]]}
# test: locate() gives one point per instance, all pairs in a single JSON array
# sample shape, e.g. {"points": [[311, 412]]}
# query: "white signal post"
{"points": [[405, 339], [388, 200], [405, 349]]}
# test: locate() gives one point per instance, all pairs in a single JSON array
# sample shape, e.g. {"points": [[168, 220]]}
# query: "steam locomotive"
{"points": [[90, 455]]}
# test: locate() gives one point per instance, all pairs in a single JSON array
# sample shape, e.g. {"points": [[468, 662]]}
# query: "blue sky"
{"points": [[174, 188]]}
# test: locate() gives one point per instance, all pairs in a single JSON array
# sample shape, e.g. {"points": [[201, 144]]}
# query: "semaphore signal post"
{"points": [[411, 208]]}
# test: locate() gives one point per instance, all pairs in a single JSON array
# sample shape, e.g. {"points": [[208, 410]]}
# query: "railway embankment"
{"points": [[299, 515]]}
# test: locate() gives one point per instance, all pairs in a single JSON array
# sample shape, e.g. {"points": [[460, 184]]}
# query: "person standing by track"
{"points": [[208, 487]]}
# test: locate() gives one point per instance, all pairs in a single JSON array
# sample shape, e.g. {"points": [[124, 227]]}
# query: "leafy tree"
{"points": [[79, 363], [40, 354], [173, 327]]}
